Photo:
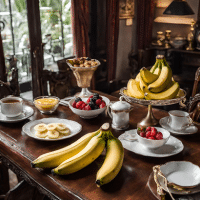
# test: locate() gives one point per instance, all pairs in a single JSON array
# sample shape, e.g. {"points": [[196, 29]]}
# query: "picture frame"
{"points": [[126, 9]]}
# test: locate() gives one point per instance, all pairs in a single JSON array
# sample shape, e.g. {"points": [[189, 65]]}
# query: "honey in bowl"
{"points": [[47, 104]]}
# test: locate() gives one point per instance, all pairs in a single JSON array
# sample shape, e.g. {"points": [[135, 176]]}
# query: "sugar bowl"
{"points": [[119, 112]]}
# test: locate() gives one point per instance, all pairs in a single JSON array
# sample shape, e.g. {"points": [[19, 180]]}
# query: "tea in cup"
{"points": [[179, 120], [11, 106]]}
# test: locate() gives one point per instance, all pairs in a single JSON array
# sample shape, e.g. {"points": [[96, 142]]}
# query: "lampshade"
{"points": [[178, 7]]}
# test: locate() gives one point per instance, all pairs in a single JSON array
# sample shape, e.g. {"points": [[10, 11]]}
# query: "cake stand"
{"points": [[83, 77], [150, 120]]}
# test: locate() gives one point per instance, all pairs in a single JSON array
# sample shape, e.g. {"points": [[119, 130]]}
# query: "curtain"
{"points": [[112, 32], [145, 16], [80, 27]]}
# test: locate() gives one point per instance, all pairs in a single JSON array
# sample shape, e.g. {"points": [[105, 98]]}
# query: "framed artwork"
{"points": [[126, 9]]}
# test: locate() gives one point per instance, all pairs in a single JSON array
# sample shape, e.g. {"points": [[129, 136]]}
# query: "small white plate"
{"points": [[27, 112], [74, 127], [174, 169], [188, 131], [172, 147]]}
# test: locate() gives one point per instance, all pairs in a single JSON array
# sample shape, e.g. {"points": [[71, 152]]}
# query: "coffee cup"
{"points": [[11, 106], [179, 120]]}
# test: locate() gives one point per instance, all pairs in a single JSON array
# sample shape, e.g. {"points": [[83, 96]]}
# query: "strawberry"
{"points": [[153, 128], [82, 106], [148, 134], [87, 107], [148, 128], [78, 104], [151, 138], [74, 104], [98, 102], [142, 134], [153, 133], [102, 105], [88, 100]]}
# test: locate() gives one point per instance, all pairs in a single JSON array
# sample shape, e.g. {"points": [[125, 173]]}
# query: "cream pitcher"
{"points": [[119, 112]]}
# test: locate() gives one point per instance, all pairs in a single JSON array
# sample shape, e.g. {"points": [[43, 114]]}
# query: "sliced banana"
{"points": [[61, 126], [51, 126], [41, 134], [65, 132], [53, 134], [40, 127]]}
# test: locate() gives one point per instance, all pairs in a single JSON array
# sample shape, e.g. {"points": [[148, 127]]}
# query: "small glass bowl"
{"points": [[46, 104]]}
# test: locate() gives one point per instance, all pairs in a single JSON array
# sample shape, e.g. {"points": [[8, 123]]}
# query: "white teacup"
{"points": [[179, 120], [11, 106]]}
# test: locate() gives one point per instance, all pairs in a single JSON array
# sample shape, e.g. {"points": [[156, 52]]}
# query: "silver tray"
{"points": [[152, 102]]}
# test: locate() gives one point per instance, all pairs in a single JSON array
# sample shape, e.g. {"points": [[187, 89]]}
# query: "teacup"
{"points": [[11, 106], [179, 120]]}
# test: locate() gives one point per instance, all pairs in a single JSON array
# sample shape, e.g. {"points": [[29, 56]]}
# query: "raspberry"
{"points": [[148, 134], [153, 133], [148, 128], [102, 105], [151, 138], [74, 104], [78, 104], [82, 106], [90, 96], [87, 107], [142, 134], [98, 102], [88, 100]]}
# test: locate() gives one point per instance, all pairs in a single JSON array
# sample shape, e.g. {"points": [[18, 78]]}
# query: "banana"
{"points": [[170, 93], [61, 127], [55, 158], [40, 127], [51, 126], [65, 131], [162, 82], [92, 151], [112, 163], [137, 78], [41, 134], [53, 134], [143, 85], [147, 76], [158, 69], [154, 66], [180, 93], [134, 90]]}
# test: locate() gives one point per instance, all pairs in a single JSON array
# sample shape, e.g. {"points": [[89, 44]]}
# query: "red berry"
{"points": [[153, 128], [74, 104], [82, 106], [151, 138], [159, 137], [153, 133], [88, 100], [102, 105], [148, 128], [148, 134], [87, 107], [142, 134], [90, 96], [98, 102], [78, 104]]}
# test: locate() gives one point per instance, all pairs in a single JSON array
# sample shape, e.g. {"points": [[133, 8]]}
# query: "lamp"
{"points": [[178, 7]]}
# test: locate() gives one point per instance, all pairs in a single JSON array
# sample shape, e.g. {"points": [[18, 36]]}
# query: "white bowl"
{"points": [[154, 144], [181, 173], [88, 114]]}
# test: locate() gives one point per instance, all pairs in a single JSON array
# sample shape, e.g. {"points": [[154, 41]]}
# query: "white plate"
{"points": [[186, 191], [188, 131], [74, 127], [172, 147], [27, 112]]}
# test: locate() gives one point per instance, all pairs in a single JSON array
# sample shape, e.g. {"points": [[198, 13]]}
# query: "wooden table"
{"points": [[17, 150]]}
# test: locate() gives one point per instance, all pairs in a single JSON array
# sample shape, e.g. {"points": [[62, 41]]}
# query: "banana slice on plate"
{"points": [[51, 126], [65, 131], [61, 126], [53, 134], [41, 134], [40, 127]]}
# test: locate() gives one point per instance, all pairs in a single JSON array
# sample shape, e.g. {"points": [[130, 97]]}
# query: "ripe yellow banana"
{"points": [[93, 150], [163, 80], [137, 78], [147, 76], [55, 158], [143, 85], [170, 93], [112, 163], [159, 68], [134, 90]]}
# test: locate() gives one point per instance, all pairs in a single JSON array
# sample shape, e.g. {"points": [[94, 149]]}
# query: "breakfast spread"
{"points": [[51, 130]]}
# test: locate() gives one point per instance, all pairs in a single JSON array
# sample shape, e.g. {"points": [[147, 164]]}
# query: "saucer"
{"points": [[27, 112], [172, 147], [188, 131]]}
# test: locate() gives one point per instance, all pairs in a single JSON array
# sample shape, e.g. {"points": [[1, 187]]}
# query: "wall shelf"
{"points": [[174, 20]]}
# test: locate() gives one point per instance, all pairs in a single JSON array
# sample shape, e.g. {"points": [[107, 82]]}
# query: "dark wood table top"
{"points": [[17, 150]]}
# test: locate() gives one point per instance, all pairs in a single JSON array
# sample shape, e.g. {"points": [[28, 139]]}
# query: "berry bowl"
{"points": [[85, 108], [46, 104], [152, 137]]}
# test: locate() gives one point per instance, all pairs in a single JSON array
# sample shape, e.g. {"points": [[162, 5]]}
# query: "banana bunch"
{"points": [[84, 151], [156, 83]]}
